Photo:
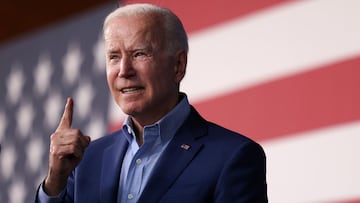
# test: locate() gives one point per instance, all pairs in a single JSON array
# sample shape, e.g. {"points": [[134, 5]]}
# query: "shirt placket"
{"points": [[135, 179]]}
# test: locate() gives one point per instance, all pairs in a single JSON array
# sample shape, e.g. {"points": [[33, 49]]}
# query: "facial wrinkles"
{"points": [[141, 39], [124, 41]]}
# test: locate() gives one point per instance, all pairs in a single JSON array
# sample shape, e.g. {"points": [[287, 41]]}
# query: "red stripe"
{"points": [[322, 97], [200, 14], [349, 201]]}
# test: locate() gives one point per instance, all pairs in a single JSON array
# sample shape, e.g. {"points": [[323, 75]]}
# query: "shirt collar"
{"points": [[167, 125]]}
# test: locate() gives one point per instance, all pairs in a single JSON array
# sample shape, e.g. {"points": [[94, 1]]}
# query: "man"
{"points": [[165, 152]]}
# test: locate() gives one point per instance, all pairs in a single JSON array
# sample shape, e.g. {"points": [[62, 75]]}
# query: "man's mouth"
{"points": [[131, 90]]}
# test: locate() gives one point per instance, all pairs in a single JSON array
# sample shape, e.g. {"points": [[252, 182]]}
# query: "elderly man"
{"points": [[165, 152]]}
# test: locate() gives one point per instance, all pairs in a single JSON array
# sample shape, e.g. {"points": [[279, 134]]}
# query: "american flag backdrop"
{"points": [[283, 72], [38, 73]]}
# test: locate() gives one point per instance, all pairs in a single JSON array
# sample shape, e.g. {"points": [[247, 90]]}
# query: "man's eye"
{"points": [[139, 54], [113, 57]]}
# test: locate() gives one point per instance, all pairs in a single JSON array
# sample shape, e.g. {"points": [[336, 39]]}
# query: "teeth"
{"points": [[127, 90]]}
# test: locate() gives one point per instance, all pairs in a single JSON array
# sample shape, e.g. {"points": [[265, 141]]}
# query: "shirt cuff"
{"points": [[44, 198]]}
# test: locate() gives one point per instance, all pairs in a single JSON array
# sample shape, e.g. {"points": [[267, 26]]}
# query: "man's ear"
{"points": [[180, 66]]}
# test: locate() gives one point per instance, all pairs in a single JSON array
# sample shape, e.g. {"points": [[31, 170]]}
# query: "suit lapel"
{"points": [[177, 156], [111, 168]]}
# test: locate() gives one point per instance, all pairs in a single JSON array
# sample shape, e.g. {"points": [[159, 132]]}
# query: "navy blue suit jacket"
{"points": [[219, 166]]}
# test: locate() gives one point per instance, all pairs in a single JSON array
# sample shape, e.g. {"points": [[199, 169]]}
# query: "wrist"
{"points": [[54, 186]]}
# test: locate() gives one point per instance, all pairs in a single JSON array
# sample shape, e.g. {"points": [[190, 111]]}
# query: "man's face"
{"points": [[142, 76]]}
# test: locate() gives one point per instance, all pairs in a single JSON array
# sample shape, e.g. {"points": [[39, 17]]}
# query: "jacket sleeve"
{"points": [[42, 197], [243, 178]]}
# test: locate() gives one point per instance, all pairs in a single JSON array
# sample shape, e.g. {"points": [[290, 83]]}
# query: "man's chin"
{"points": [[129, 109]]}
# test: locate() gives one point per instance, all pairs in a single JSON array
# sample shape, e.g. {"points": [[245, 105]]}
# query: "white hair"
{"points": [[175, 34]]}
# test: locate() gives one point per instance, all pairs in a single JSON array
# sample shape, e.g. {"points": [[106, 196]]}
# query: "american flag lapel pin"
{"points": [[185, 146]]}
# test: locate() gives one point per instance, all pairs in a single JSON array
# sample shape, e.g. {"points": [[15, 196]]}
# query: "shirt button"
{"points": [[130, 196], [138, 161]]}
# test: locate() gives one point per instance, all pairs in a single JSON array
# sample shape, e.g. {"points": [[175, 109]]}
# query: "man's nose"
{"points": [[126, 68]]}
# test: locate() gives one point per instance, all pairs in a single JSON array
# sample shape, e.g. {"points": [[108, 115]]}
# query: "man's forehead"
{"points": [[139, 20], [133, 25], [129, 44], [141, 34]]}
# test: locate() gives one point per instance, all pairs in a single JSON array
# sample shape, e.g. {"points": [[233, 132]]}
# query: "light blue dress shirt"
{"points": [[139, 162]]}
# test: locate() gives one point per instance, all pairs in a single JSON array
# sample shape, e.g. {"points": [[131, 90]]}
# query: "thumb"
{"points": [[66, 119]]}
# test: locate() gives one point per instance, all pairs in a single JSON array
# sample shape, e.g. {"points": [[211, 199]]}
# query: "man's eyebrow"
{"points": [[112, 52], [143, 48], [139, 46], [130, 50]]}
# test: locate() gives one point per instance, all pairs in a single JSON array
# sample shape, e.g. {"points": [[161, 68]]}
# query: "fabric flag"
{"points": [[287, 74], [38, 73]]}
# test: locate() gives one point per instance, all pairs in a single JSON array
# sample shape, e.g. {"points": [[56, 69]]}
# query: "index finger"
{"points": [[66, 119]]}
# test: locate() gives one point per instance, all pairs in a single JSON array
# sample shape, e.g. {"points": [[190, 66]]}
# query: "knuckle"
{"points": [[72, 148], [52, 136], [53, 149], [77, 131]]}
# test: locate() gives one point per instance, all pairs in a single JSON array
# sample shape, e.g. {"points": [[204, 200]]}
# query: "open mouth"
{"points": [[131, 90]]}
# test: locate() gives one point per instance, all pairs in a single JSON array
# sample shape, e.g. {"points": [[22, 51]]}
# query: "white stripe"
{"points": [[273, 43], [318, 166]]}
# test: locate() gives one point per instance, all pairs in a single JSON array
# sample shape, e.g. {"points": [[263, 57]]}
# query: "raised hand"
{"points": [[67, 146]]}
